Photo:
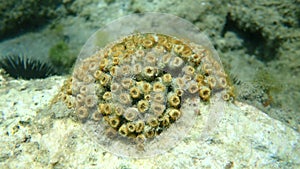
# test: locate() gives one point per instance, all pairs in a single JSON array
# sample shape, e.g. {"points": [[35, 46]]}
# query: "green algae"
{"points": [[61, 56]]}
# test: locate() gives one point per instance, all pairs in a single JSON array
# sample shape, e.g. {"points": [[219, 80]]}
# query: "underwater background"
{"points": [[257, 42]]}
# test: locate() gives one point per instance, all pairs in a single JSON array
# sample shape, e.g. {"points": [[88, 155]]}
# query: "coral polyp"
{"points": [[150, 97]]}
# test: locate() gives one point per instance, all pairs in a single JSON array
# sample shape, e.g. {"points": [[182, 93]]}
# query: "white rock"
{"points": [[239, 137]]}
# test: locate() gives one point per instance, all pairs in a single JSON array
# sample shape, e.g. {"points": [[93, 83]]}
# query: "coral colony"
{"points": [[137, 95]]}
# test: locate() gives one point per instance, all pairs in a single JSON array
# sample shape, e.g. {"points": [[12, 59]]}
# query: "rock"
{"points": [[237, 136], [25, 14], [247, 41]]}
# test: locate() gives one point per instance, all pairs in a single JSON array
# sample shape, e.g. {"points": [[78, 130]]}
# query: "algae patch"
{"points": [[61, 56]]}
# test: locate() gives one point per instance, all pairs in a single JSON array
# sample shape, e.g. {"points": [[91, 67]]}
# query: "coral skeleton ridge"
{"points": [[138, 95]]}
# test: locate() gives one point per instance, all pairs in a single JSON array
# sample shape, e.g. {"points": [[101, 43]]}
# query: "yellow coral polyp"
{"points": [[131, 114], [178, 48], [118, 47], [137, 40], [117, 54], [189, 70], [159, 49], [82, 112], [115, 61], [123, 131], [179, 92], [147, 43], [168, 46], [195, 58], [222, 82], [103, 63], [174, 114], [199, 78], [88, 79], [159, 87], [150, 58], [70, 104], [125, 98], [143, 106], [104, 79], [166, 58], [119, 110], [186, 52], [162, 39], [165, 121], [137, 68], [193, 88], [125, 70], [146, 87], [140, 53], [114, 87], [97, 116], [212, 82], [107, 109], [97, 74], [175, 41], [139, 126], [113, 70], [158, 97], [93, 66], [91, 100], [147, 97], [152, 122], [64, 97], [157, 108], [127, 83], [107, 96], [226, 97], [69, 90], [100, 108], [149, 71], [180, 82], [126, 57], [174, 100], [140, 138], [135, 92], [130, 45], [130, 127], [204, 93], [150, 134], [207, 68], [167, 78], [176, 63]]}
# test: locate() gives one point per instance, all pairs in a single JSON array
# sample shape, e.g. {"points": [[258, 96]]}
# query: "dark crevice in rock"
{"points": [[253, 40]]}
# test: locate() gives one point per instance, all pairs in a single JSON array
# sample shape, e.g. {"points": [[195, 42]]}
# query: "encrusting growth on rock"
{"points": [[129, 89], [138, 86]]}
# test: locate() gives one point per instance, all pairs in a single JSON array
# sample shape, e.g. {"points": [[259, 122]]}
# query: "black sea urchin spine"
{"points": [[20, 66]]}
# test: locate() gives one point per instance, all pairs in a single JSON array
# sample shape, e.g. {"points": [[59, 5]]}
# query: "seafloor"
{"points": [[258, 43]]}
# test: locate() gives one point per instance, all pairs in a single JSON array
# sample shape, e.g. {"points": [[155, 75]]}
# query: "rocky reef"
{"points": [[143, 88], [159, 97], [244, 136]]}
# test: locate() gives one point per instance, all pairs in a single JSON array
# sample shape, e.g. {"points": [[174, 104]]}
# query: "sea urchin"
{"points": [[20, 66]]}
